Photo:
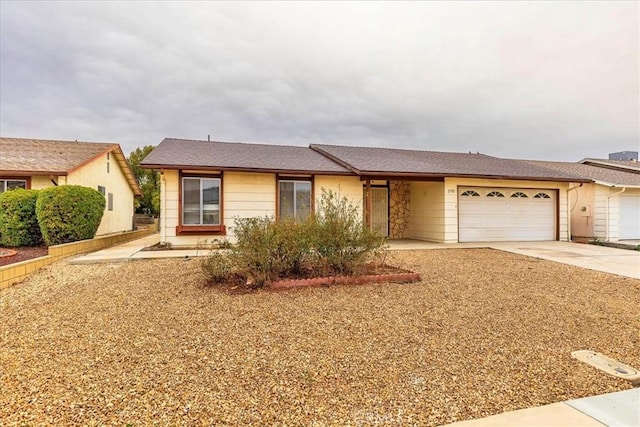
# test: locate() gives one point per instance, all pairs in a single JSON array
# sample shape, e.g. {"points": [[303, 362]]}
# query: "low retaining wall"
{"points": [[13, 273]]}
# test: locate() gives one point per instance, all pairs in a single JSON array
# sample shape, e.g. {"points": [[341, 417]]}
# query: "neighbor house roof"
{"points": [[174, 153], [626, 165], [370, 161], [604, 176], [25, 157]]}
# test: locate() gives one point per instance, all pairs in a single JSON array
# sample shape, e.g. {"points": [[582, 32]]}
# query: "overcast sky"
{"points": [[539, 80]]}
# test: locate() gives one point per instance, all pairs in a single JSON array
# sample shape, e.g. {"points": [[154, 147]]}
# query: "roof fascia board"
{"points": [[611, 184], [32, 173], [253, 170], [405, 175], [126, 170], [607, 165]]}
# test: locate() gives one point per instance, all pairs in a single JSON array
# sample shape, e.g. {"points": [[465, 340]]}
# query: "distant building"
{"points": [[624, 155]]}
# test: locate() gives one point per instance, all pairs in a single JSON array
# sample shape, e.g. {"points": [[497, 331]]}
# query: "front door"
{"points": [[380, 210]]}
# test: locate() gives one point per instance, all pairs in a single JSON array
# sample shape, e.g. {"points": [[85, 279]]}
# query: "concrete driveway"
{"points": [[623, 262]]}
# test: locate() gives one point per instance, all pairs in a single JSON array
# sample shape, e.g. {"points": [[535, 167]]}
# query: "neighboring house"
{"points": [[433, 196], [36, 164], [624, 165], [607, 209]]}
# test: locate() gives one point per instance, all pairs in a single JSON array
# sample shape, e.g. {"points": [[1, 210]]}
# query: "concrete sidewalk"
{"points": [[620, 409]]}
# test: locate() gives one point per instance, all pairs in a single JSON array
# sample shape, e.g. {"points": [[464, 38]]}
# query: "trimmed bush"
{"points": [[217, 267], [18, 222], [69, 213], [267, 249], [334, 241], [341, 239]]}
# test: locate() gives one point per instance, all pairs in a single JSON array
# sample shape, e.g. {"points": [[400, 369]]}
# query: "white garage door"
{"points": [[629, 217], [506, 214]]}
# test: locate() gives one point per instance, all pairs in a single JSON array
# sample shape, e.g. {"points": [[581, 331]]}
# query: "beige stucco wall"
{"points": [[451, 201], [582, 208], [40, 182], [168, 206], [94, 174], [245, 195], [345, 186], [426, 218]]}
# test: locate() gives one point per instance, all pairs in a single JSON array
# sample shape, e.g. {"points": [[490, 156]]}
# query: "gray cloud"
{"points": [[543, 80]]}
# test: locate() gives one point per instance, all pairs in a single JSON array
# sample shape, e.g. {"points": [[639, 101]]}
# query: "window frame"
{"points": [[4, 180], [203, 229], [295, 179]]}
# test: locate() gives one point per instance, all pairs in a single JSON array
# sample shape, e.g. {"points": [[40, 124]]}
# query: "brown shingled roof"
{"points": [[372, 161], [626, 165], [602, 175], [174, 153], [24, 156]]}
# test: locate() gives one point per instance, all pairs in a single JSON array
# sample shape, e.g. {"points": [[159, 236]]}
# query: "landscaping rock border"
{"points": [[402, 276]]}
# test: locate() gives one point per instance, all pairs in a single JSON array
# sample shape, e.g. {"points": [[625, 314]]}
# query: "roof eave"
{"points": [[616, 185], [32, 173], [126, 170], [240, 169], [378, 174]]}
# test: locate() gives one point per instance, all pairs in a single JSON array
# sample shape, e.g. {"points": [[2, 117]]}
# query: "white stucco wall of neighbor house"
{"points": [[451, 186], [607, 210], [104, 171]]}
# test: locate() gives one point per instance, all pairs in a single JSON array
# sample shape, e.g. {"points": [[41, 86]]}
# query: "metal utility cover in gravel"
{"points": [[146, 342]]}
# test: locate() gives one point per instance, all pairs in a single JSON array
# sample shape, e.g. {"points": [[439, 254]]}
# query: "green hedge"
{"points": [[69, 213], [18, 222]]}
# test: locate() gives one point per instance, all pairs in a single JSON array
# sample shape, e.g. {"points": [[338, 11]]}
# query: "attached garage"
{"points": [[506, 214], [629, 216]]}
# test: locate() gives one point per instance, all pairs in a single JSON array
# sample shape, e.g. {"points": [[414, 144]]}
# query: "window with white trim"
{"points": [[470, 193], [542, 196], [519, 194], [200, 201], [11, 184], [295, 199]]}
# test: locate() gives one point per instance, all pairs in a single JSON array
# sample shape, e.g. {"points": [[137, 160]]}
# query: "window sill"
{"points": [[210, 230]]}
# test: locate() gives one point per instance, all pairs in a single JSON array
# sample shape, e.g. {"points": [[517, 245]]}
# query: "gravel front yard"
{"points": [[144, 342]]}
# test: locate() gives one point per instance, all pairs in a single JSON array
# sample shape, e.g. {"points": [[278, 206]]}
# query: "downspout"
{"points": [[163, 208], [608, 207], [569, 212], [368, 204]]}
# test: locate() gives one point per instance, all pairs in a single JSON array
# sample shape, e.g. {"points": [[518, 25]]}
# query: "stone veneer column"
{"points": [[399, 194]]}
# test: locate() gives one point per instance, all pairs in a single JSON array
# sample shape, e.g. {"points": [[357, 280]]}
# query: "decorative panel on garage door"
{"points": [[506, 214]]}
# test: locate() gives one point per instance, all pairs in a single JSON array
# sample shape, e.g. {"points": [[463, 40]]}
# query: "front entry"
{"points": [[380, 210]]}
